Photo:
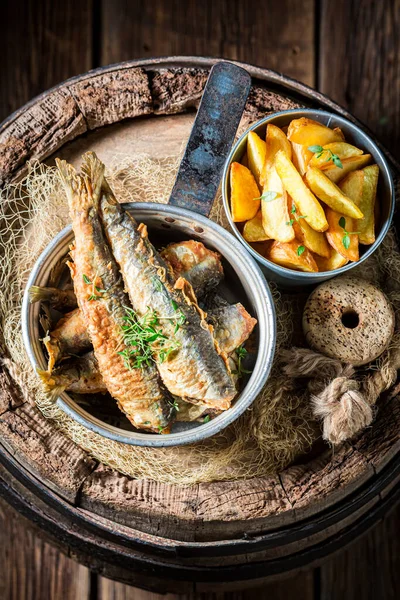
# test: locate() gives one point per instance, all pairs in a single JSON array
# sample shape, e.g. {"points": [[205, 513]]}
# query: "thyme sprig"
{"points": [[241, 353], [268, 196], [144, 339], [319, 151], [95, 288], [347, 234], [295, 217]]}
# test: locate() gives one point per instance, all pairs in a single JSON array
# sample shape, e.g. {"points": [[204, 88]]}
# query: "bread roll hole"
{"points": [[350, 318]]}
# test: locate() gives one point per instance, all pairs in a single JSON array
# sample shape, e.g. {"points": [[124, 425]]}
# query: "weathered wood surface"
{"points": [[353, 47]]}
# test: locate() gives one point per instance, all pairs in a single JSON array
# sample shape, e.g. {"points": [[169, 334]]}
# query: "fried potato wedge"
{"points": [[341, 235], [275, 214], [331, 194], [341, 149], [340, 133], [253, 230], [335, 261], [244, 193], [366, 225], [306, 203], [301, 156], [346, 245], [292, 255], [352, 186], [256, 150], [306, 235], [275, 140], [353, 163], [310, 133]]}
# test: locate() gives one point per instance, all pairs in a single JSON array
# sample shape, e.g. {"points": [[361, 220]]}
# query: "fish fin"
{"points": [[52, 350], [37, 294], [50, 385], [93, 175]]}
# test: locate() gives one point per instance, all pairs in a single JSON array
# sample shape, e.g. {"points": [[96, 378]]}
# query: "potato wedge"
{"points": [[341, 149], [366, 225], [352, 186], [339, 133], [310, 133], [335, 261], [301, 156], [256, 150], [275, 140], [292, 255], [306, 235], [331, 194], [353, 163], [306, 203], [275, 214], [244, 192], [253, 230], [341, 234]]}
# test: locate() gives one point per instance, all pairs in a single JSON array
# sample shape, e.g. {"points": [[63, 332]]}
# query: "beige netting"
{"points": [[276, 429]]}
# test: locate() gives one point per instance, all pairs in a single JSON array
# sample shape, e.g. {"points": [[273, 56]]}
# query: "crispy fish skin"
{"points": [[61, 300], [195, 370], [69, 337], [80, 375], [232, 326], [201, 267], [137, 391]]}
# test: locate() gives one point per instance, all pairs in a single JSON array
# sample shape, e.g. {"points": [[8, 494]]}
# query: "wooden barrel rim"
{"points": [[365, 470]]}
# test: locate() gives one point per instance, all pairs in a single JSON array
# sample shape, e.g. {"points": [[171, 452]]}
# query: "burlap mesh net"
{"points": [[277, 428]]}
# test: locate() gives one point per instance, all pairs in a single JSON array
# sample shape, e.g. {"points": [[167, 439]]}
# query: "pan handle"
{"points": [[211, 138]]}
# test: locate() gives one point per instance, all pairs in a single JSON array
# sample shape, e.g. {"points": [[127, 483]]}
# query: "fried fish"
{"points": [[194, 370], [102, 300]]}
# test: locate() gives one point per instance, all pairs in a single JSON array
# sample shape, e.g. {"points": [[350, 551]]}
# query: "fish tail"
{"points": [[50, 384], [78, 200], [93, 175], [37, 294]]}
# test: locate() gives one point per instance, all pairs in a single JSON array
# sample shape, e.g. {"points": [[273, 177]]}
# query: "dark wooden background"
{"points": [[348, 49]]}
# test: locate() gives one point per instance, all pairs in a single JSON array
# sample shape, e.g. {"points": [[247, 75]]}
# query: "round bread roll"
{"points": [[349, 319]]}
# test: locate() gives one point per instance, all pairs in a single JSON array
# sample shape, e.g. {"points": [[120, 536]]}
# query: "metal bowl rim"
{"points": [[283, 271], [265, 352]]}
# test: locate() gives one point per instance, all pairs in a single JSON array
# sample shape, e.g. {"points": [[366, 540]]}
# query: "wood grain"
{"points": [[33, 569], [279, 35], [369, 569], [358, 62], [41, 43], [300, 587]]}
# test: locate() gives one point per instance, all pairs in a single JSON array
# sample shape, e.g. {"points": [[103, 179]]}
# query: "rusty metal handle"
{"points": [[211, 138]]}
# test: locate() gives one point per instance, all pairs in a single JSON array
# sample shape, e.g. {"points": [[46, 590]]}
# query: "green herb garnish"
{"points": [[241, 353], [268, 196], [145, 339], [296, 216], [95, 288], [319, 151], [206, 419], [300, 250], [347, 234]]}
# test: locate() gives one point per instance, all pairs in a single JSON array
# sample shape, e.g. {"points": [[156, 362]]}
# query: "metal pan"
{"points": [[195, 187], [354, 135]]}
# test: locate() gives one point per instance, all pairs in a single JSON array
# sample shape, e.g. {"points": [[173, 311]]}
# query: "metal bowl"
{"points": [[243, 282], [354, 135]]}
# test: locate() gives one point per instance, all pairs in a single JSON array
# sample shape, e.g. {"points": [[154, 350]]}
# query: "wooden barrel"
{"points": [[153, 535]]}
